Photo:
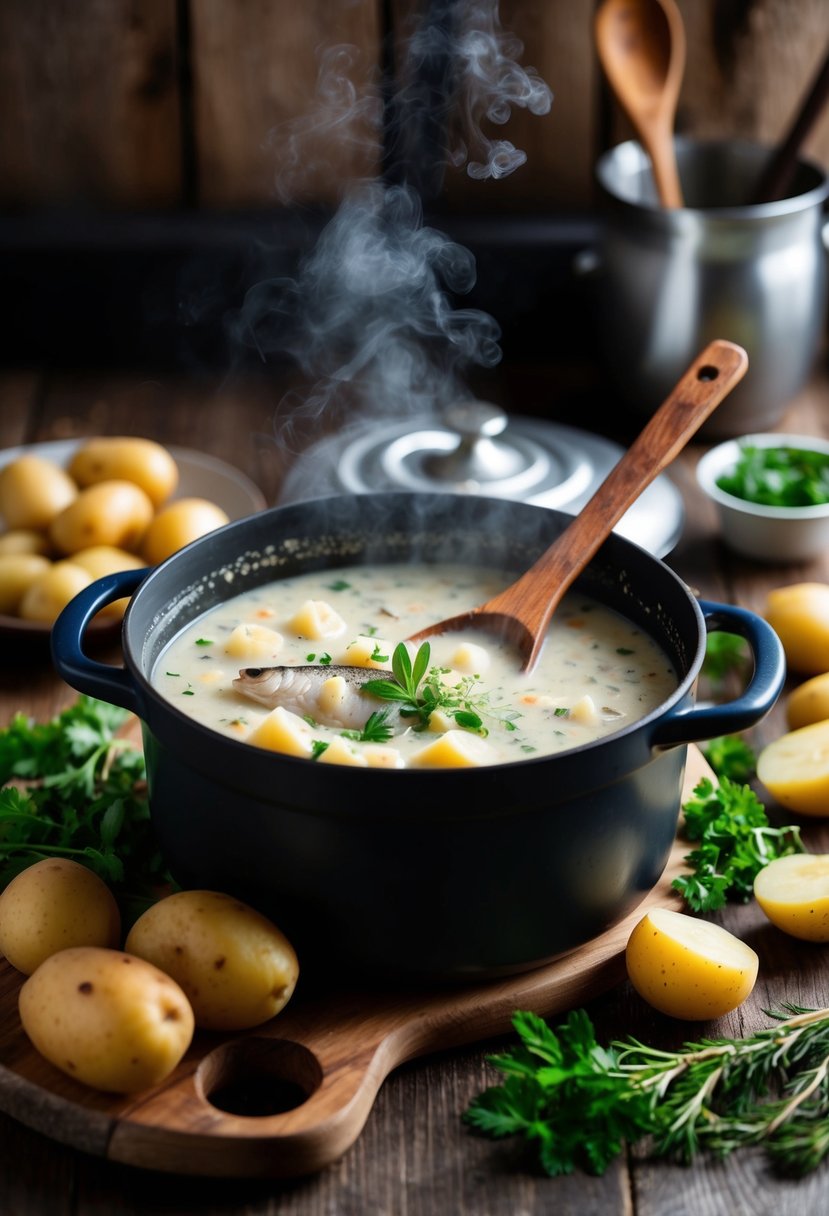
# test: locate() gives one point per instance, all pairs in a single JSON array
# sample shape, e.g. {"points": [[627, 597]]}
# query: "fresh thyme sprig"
{"points": [[735, 841], [579, 1102], [421, 690]]}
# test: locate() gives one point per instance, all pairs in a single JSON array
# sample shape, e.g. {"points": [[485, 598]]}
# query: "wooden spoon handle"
{"points": [[533, 598]]}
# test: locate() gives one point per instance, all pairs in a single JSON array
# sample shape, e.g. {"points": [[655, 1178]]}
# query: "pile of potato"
{"points": [[120, 1020], [692, 969], [109, 510]]}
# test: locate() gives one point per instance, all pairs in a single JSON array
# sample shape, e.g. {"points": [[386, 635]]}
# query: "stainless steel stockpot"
{"points": [[670, 280], [451, 873]]}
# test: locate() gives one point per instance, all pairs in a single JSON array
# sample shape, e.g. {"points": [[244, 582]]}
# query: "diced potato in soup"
{"points": [[297, 685]]}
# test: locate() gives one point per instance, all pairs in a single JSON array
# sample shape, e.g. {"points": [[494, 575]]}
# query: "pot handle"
{"points": [[102, 680], [692, 724]]}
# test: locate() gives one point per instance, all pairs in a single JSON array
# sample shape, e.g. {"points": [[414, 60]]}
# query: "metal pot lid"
{"points": [[474, 448]]}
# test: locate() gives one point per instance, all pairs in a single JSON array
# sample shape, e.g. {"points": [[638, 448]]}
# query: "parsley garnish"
{"points": [[421, 692], [778, 476], [339, 584], [735, 842], [730, 756], [724, 652], [84, 797], [579, 1103], [204, 641]]}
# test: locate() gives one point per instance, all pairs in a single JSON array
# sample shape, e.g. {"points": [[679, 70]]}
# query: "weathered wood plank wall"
{"points": [[163, 103]]}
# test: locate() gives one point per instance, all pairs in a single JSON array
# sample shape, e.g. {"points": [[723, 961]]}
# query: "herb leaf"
{"points": [[579, 1103], [735, 841], [84, 796], [778, 476]]}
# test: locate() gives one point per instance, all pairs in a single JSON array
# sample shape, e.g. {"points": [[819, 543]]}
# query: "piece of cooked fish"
{"points": [[329, 695]]}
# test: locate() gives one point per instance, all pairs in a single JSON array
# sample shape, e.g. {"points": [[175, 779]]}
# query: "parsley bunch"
{"points": [[735, 842], [72, 788], [578, 1102]]}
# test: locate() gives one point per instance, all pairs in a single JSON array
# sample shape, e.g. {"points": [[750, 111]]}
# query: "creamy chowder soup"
{"points": [[306, 666]]}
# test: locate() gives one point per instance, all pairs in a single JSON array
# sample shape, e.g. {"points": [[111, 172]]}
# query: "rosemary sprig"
{"points": [[579, 1102]]}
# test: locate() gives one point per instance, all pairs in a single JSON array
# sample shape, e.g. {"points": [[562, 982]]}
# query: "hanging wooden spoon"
{"points": [[641, 46], [522, 612]]}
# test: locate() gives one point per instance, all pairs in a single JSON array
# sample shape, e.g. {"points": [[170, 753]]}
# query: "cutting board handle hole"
{"points": [[257, 1078]]}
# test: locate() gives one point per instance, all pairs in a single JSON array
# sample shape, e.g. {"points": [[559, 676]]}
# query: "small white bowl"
{"points": [[768, 534]]}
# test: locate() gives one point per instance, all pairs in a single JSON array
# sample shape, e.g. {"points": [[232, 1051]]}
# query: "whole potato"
{"points": [[54, 904], [799, 615], [119, 458], [110, 513], [17, 573], [23, 540], [106, 1018], [236, 968], [105, 559], [179, 523], [51, 591], [33, 491]]}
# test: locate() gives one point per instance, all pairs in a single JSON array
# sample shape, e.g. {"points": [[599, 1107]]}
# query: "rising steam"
{"points": [[369, 307]]}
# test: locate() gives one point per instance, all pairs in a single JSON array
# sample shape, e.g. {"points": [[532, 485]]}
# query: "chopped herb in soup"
{"points": [[317, 666]]}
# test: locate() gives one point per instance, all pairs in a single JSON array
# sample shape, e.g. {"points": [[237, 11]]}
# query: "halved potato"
{"points": [[794, 894], [689, 968], [795, 769], [809, 702]]}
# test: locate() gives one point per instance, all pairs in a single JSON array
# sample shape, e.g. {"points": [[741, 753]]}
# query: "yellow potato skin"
{"points": [[809, 702], [33, 491], [794, 894], [177, 524], [122, 458], [688, 968], [115, 513], [100, 560], [52, 905], [107, 1019], [17, 573], [794, 768], [799, 615], [51, 591], [236, 968]]}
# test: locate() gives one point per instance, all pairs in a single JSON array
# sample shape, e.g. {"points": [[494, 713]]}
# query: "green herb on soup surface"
{"points": [[72, 788], [421, 692], [579, 1103], [778, 477], [734, 841]]}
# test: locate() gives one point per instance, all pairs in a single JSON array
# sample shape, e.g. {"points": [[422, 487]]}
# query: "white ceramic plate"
{"points": [[200, 476]]}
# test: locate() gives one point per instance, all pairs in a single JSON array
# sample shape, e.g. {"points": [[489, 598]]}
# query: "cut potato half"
{"points": [[794, 894], [689, 968], [809, 702], [795, 769]]}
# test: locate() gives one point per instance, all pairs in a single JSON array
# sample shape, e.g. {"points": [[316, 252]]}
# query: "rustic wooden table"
{"points": [[414, 1156]]}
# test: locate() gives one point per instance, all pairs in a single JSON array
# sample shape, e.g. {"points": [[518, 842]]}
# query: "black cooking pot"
{"points": [[448, 873]]}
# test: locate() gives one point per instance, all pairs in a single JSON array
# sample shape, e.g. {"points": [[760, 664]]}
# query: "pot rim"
{"points": [[255, 758], [746, 213]]}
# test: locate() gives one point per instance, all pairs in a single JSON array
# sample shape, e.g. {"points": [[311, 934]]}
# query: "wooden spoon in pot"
{"points": [[641, 46], [522, 612]]}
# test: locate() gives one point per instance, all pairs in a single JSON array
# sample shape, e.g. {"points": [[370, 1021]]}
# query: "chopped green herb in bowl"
{"points": [[772, 495]]}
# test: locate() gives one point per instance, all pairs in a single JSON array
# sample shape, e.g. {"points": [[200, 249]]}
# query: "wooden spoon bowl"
{"points": [[521, 613], [641, 46]]}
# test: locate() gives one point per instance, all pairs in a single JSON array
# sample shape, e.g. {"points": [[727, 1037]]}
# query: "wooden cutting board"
{"points": [[326, 1056]]}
